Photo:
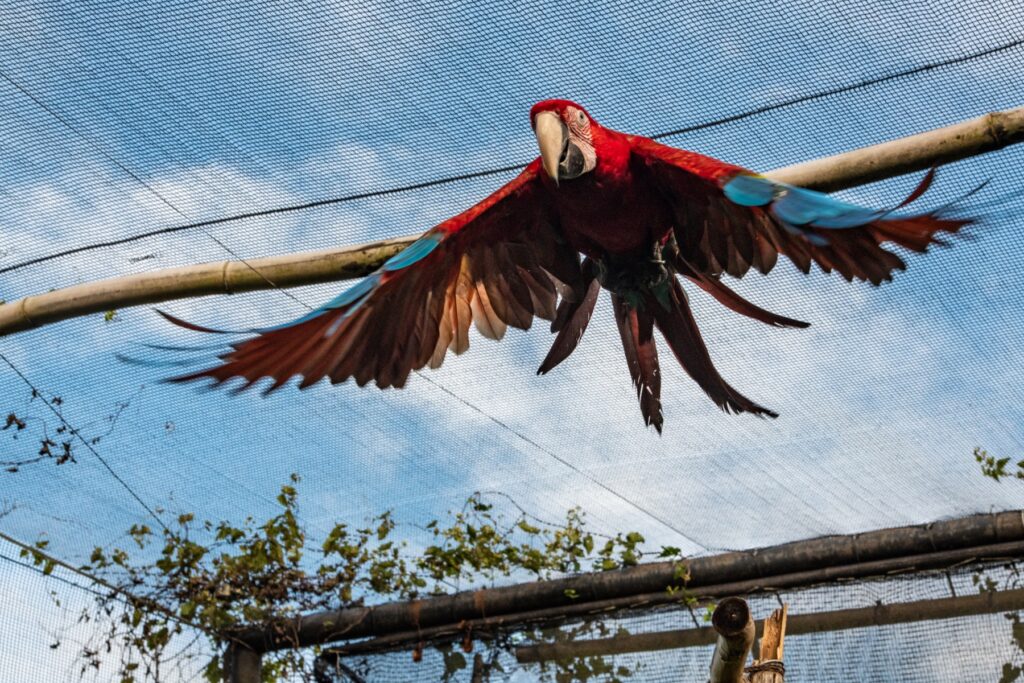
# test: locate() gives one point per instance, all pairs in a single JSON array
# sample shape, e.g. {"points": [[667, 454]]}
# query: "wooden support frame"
{"points": [[793, 565], [976, 136]]}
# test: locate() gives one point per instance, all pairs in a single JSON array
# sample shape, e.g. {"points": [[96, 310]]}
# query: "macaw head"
{"points": [[564, 132]]}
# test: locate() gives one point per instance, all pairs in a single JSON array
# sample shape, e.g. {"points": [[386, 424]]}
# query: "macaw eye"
{"points": [[581, 117]]}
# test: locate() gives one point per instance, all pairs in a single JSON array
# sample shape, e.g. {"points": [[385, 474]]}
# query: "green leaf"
{"points": [[454, 662], [1010, 673], [526, 527]]}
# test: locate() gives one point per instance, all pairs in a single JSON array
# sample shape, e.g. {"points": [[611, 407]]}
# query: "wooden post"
{"points": [[480, 670], [242, 664], [731, 619], [768, 666]]}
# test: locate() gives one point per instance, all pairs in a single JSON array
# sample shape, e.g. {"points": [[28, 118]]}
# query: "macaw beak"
{"points": [[552, 138]]}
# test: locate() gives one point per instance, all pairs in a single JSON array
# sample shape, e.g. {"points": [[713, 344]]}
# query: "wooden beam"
{"points": [[791, 565], [989, 602], [886, 160]]}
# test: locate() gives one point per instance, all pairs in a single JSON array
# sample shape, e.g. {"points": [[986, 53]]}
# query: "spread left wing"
{"points": [[499, 263]]}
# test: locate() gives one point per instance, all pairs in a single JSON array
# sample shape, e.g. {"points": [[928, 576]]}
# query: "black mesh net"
{"points": [[128, 119]]}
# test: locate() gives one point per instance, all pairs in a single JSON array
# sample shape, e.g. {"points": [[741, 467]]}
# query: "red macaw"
{"points": [[639, 212]]}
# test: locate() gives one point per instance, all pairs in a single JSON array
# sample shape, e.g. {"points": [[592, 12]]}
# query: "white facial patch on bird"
{"points": [[578, 155], [578, 123]]}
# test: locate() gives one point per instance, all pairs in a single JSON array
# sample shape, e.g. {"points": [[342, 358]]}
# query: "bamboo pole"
{"points": [[941, 544], [914, 153], [735, 628], [222, 277], [989, 602], [986, 133]]}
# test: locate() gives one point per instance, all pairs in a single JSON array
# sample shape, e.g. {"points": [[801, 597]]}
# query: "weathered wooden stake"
{"points": [[731, 619], [768, 667]]}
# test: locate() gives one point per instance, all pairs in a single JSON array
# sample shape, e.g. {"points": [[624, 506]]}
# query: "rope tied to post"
{"points": [[769, 665]]}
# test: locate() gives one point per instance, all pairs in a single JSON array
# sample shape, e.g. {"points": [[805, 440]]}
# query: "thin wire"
{"points": [[447, 180], [65, 565], [137, 178], [83, 440], [839, 90], [122, 593], [27, 565], [102, 152], [565, 462], [264, 212]]}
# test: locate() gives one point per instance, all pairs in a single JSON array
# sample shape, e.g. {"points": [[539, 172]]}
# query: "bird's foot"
{"points": [[631, 278]]}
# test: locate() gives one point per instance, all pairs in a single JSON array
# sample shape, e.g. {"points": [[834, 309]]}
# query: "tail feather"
{"points": [[570, 323], [732, 300], [174, 320], [637, 330], [680, 330]]}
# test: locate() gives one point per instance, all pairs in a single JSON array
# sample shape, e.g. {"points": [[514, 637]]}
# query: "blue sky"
{"points": [[219, 110]]}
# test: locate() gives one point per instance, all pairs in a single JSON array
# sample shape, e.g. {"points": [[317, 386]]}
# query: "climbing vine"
{"points": [[997, 469], [208, 578]]}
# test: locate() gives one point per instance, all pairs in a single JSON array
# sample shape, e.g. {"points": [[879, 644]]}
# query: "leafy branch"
{"points": [[209, 579], [56, 443], [997, 468]]}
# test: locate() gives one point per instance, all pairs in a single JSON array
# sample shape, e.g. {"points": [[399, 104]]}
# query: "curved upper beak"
{"points": [[552, 138]]}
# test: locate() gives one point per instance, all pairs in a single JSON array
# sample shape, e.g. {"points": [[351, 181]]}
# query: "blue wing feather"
{"points": [[796, 206], [356, 295], [750, 190], [415, 252]]}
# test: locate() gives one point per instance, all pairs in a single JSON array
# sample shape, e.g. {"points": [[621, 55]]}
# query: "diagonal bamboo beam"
{"points": [[885, 160]]}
